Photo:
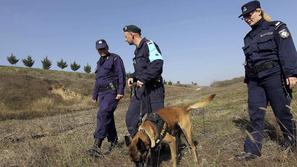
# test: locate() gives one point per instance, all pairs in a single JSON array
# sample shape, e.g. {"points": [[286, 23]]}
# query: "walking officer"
{"points": [[108, 89], [270, 74], [148, 95]]}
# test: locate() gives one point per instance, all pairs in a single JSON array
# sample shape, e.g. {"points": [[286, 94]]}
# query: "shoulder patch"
{"points": [[154, 54], [284, 33]]}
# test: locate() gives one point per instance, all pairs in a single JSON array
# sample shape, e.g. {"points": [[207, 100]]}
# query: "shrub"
{"points": [[87, 68], [62, 64], [12, 59], [28, 61], [46, 63], [74, 66]]}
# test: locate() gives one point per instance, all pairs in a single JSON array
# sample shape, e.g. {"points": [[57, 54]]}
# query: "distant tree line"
{"points": [[46, 63], [178, 83]]}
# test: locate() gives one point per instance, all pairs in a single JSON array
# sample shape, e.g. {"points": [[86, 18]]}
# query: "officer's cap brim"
{"points": [[132, 28], [249, 7]]}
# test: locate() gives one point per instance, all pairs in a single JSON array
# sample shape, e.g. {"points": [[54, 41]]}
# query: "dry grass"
{"points": [[26, 93], [62, 139], [44, 104], [224, 127], [66, 94]]}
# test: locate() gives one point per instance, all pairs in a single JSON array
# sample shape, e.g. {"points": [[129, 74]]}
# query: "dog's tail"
{"points": [[201, 103]]}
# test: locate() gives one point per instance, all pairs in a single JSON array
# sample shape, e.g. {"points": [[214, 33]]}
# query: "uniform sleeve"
{"points": [[96, 87], [154, 69], [286, 51], [120, 71]]}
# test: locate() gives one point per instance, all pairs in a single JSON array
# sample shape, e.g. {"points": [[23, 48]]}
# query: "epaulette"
{"points": [[115, 56], [277, 24]]}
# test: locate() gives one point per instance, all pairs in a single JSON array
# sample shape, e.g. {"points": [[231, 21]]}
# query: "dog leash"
{"points": [[144, 102], [159, 150], [134, 94]]}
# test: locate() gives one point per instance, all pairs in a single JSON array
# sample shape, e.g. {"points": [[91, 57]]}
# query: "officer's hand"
{"points": [[291, 81], [119, 96], [130, 82], [139, 83], [94, 101]]}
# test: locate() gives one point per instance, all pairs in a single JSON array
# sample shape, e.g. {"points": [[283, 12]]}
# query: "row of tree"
{"points": [[46, 63]]}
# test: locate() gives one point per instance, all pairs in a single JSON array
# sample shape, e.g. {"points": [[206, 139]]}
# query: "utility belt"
{"points": [[260, 67], [110, 86], [155, 83], [151, 85]]}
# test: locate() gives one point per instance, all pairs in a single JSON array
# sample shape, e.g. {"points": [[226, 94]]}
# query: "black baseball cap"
{"points": [[101, 44]]}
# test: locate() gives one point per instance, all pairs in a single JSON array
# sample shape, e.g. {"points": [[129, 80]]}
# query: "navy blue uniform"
{"points": [[110, 81], [270, 58], [149, 98]]}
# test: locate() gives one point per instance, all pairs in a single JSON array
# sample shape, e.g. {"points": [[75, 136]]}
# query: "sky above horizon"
{"points": [[200, 40]]}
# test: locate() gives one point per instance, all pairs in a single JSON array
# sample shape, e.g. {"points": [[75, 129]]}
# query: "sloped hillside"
{"points": [[27, 93], [62, 138]]}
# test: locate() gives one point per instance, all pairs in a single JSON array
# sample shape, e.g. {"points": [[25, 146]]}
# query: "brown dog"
{"points": [[147, 135]]}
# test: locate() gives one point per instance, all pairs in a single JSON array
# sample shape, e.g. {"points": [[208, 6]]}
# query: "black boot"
{"points": [[289, 144], [128, 140], [95, 151], [289, 141]]}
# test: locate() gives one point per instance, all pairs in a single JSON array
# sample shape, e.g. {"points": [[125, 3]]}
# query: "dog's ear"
{"points": [[127, 140], [141, 146]]}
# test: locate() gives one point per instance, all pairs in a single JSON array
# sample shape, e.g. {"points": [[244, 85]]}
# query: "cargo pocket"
{"points": [[266, 44], [246, 50]]}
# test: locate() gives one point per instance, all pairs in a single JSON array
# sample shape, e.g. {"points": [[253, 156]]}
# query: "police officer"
{"points": [[148, 96], [108, 89], [271, 70]]}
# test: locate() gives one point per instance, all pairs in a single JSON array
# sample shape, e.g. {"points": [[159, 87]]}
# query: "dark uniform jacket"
{"points": [[110, 70], [268, 49], [146, 70]]}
